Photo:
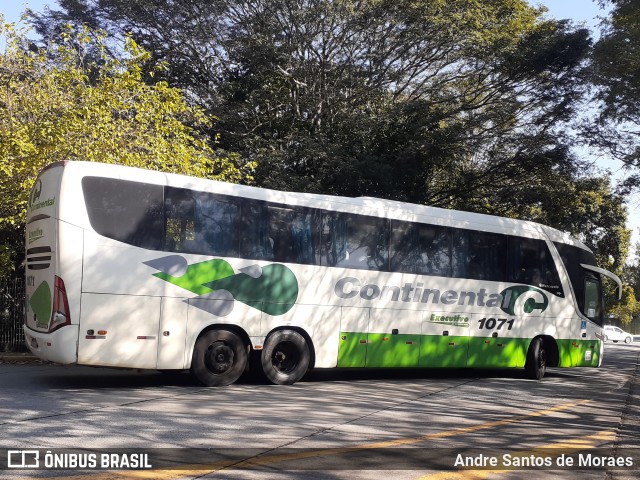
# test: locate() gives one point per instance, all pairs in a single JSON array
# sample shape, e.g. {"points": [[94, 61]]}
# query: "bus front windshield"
{"points": [[587, 285]]}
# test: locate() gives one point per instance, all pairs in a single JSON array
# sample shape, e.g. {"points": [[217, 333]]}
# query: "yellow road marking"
{"points": [[567, 447], [200, 469]]}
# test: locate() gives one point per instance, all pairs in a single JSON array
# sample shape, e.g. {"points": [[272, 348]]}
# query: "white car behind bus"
{"points": [[616, 334]]}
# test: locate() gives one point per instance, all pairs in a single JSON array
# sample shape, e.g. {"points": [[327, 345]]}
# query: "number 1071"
{"points": [[496, 323]]}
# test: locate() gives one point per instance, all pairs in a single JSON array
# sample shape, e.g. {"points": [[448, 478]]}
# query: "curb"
{"points": [[18, 357]]}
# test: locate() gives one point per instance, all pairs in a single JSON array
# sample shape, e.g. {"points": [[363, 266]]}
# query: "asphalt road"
{"points": [[334, 424]]}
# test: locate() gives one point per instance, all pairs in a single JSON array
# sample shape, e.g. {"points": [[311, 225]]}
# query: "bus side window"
{"points": [[216, 225], [179, 221], [419, 248], [130, 212], [593, 299], [355, 241], [293, 233], [255, 242], [198, 222], [279, 233], [334, 239], [479, 255], [530, 263]]}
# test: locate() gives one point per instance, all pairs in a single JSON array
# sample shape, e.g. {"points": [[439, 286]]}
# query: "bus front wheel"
{"points": [[285, 357], [219, 358], [536, 364]]}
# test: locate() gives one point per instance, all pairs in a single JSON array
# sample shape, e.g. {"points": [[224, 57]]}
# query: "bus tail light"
{"points": [[60, 316]]}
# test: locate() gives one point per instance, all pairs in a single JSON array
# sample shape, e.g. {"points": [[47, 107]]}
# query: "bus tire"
{"points": [[285, 357], [536, 364], [219, 358]]}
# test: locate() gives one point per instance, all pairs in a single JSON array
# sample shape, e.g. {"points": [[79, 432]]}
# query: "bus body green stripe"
{"points": [[573, 353], [497, 352], [380, 350]]}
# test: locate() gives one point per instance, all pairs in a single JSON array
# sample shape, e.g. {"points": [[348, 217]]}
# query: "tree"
{"points": [[631, 273], [319, 90], [616, 74], [629, 307], [58, 103], [455, 103]]}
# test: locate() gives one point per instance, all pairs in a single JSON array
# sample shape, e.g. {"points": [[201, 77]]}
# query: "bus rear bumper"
{"points": [[60, 346]]}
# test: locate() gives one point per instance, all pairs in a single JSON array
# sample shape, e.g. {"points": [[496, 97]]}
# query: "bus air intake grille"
{"points": [[38, 258]]}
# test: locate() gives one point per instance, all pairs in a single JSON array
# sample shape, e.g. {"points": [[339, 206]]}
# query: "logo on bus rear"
{"points": [[36, 193]]}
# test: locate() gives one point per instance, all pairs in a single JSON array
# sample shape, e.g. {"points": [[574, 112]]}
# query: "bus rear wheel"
{"points": [[219, 358], [536, 364], [285, 357]]}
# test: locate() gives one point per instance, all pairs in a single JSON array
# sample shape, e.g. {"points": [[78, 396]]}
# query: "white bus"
{"points": [[141, 269]]}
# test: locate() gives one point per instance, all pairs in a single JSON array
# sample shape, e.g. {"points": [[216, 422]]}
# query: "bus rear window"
{"points": [[130, 212]]}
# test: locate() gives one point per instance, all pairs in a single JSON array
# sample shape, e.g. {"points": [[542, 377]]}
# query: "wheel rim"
{"points": [[285, 357], [219, 358]]}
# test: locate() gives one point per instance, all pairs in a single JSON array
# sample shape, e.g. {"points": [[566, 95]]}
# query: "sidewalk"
{"points": [[18, 357]]}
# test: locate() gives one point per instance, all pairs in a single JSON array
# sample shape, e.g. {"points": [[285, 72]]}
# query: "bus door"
{"points": [[172, 334], [585, 351], [445, 340]]}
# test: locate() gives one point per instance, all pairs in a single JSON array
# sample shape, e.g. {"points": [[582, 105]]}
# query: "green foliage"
{"points": [[590, 210], [625, 309], [631, 272], [616, 71], [629, 307], [72, 100], [616, 60], [313, 89]]}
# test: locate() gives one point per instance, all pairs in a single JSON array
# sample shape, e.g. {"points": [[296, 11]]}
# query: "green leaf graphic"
{"points": [[41, 304], [198, 274], [274, 292]]}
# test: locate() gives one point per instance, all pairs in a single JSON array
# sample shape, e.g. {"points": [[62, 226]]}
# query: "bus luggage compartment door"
{"points": [[354, 323], [497, 342], [393, 339], [119, 330], [445, 341]]}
